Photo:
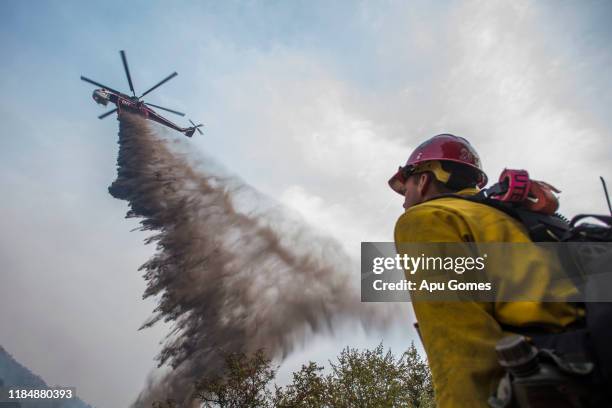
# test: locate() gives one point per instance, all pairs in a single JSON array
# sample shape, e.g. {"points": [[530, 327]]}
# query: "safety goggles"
{"points": [[398, 181]]}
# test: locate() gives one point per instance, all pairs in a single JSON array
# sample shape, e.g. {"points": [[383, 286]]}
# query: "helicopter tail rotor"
{"points": [[196, 127]]}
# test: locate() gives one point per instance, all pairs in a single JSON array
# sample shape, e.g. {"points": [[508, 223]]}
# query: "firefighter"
{"points": [[459, 337]]}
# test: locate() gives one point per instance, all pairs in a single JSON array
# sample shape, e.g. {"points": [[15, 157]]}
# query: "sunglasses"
{"points": [[406, 171]]}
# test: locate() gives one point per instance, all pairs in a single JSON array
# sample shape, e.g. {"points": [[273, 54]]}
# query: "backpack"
{"points": [[589, 341]]}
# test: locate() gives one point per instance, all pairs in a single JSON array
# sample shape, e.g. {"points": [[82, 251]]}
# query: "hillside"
{"points": [[13, 374]]}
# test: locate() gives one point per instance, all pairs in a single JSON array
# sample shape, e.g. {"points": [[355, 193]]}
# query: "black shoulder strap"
{"points": [[541, 227]]}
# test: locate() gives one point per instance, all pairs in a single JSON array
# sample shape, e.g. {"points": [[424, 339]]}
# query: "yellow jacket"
{"points": [[460, 337]]}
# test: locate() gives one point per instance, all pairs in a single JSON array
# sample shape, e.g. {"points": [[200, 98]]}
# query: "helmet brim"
{"points": [[398, 181]]}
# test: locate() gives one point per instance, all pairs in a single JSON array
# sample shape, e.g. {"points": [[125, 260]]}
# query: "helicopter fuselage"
{"points": [[132, 105]]}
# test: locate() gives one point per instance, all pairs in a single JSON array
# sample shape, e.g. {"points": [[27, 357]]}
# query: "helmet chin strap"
{"points": [[434, 167]]}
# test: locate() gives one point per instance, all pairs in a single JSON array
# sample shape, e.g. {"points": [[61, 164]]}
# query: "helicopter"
{"points": [[134, 104]]}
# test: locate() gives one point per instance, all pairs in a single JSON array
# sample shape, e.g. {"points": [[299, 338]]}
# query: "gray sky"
{"points": [[315, 104]]}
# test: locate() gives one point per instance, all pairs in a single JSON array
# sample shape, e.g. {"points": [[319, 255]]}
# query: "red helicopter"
{"points": [[133, 104]]}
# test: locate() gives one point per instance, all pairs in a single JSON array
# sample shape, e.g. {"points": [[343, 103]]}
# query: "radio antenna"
{"points": [[603, 183]]}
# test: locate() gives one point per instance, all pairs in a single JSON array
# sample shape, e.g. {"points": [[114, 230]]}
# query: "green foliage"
{"points": [[373, 378], [308, 389], [363, 379], [244, 385]]}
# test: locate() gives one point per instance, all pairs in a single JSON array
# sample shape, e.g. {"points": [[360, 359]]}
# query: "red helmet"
{"points": [[444, 147]]}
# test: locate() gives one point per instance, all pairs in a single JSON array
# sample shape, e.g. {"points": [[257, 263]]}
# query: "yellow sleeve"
{"points": [[459, 337]]}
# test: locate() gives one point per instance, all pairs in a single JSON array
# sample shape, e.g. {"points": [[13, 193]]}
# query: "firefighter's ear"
{"points": [[424, 183]]}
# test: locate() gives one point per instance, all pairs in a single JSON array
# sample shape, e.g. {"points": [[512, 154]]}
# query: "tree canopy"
{"points": [[358, 378]]}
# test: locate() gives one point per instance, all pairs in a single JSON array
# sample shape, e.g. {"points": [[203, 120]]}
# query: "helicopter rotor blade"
{"points": [[127, 71], [166, 109], [91, 81], [197, 127], [160, 83], [102, 116]]}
